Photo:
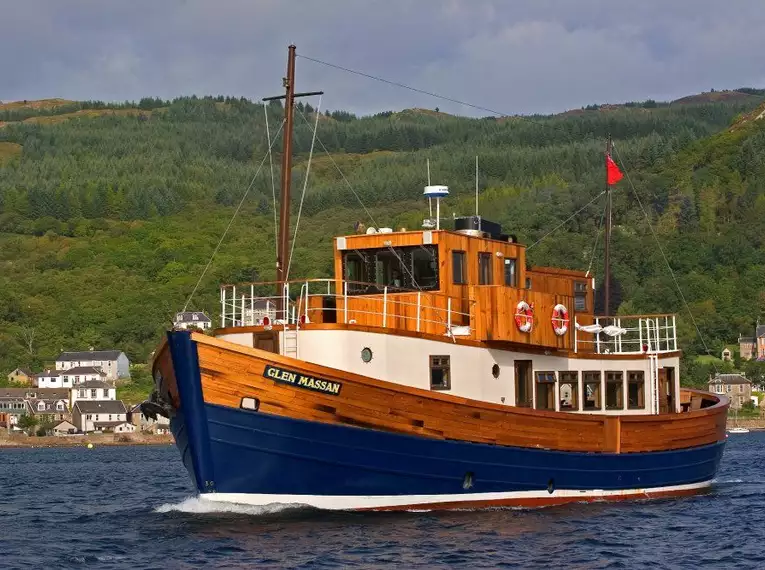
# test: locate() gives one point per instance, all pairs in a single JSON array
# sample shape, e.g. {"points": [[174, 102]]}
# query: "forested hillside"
{"points": [[108, 214]]}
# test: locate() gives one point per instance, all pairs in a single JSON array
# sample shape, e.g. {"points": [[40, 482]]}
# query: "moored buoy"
{"points": [[90, 446]]}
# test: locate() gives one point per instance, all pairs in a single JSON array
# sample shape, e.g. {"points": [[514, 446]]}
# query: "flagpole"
{"points": [[607, 284]]}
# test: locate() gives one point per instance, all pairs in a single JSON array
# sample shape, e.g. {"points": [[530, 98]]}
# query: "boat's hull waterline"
{"points": [[254, 457]]}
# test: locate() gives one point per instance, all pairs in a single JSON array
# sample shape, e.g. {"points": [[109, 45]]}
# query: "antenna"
{"points": [[476, 185], [430, 202], [437, 192]]}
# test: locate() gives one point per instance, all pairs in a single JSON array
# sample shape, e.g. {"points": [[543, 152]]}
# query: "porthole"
{"points": [[495, 371], [366, 354]]}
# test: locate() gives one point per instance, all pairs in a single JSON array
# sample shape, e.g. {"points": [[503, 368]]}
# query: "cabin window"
{"points": [[511, 279], [636, 390], [580, 295], [459, 275], [412, 268], [484, 268], [614, 391], [592, 397], [545, 390], [424, 268], [568, 391], [440, 376]]}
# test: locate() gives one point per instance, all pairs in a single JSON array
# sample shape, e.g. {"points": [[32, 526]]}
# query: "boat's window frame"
{"points": [[641, 381], [548, 380], [580, 295], [373, 264], [461, 255], [569, 377], [611, 380], [510, 262], [485, 263], [588, 378], [440, 362]]}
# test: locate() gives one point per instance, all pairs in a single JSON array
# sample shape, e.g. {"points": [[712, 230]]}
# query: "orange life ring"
{"points": [[560, 319], [524, 316]]}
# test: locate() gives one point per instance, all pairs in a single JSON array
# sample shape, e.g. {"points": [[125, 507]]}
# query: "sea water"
{"points": [[134, 507]]}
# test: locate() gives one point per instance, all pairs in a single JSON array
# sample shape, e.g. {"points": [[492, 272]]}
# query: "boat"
{"points": [[434, 370], [737, 428]]}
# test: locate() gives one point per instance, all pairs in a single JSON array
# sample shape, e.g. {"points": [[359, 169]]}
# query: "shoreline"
{"points": [[111, 440]]}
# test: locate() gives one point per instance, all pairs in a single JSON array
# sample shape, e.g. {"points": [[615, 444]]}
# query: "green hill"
{"points": [[108, 214]]}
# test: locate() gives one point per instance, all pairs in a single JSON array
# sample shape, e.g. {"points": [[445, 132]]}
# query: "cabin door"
{"points": [[671, 394], [663, 391], [524, 394], [267, 340]]}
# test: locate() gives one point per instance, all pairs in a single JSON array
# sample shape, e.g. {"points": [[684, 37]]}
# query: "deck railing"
{"points": [[308, 301], [629, 334]]}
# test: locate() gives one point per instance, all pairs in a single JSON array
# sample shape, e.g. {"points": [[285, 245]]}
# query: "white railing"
{"points": [[638, 334], [241, 305]]}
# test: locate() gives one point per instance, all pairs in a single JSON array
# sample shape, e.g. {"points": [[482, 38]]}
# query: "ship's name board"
{"points": [[302, 381]]}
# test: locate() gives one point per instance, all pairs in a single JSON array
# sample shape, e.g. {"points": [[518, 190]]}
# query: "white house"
{"points": [[113, 362], [192, 319], [159, 426], [51, 379], [100, 415], [64, 428], [80, 374], [92, 390]]}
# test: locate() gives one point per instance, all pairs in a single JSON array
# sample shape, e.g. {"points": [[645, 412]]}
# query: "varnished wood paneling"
{"points": [[231, 372]]}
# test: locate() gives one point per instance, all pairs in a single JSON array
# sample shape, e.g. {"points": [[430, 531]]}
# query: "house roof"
{"points": [[89, 355], [48, 373], [84, 370], [50, 405], [100, 407], [730, 379], [44, 393], [92, 384], [188, 317], [746, 340], [25, 371], [64, 425]]}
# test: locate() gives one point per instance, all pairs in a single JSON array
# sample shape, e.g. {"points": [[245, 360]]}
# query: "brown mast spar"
{"points": [[284, 205], [607, 284]]}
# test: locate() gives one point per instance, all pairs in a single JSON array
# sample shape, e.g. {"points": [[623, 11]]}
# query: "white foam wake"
{"points": [[201, 506]]}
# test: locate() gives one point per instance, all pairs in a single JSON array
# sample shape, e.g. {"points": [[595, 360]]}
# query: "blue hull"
{"points": [[243, 452]]}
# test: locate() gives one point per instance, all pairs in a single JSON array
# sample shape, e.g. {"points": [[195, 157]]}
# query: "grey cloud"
{"points": [[513, 56]]}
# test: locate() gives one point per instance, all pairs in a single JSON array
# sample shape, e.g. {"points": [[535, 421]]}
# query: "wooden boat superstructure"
{"points": [[433, 369]]}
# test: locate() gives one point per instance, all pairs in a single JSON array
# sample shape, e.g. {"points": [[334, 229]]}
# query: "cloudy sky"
{"points": [[514, 56]]}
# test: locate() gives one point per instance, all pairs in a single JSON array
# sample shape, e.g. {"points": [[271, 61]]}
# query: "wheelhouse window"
{"points": [[592, 396], [370, 271], [459, 270], [440, 373], [484, 268], [580, 295], [614, 391], [636, 390], [568, 391], [545, 391], [511, 279]]}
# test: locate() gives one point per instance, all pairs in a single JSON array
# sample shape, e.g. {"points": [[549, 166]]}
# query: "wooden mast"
{"points": [[282, 258], [607, 284]]}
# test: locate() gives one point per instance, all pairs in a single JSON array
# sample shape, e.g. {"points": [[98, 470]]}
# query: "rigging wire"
{"points": [[664, 255], [564, 222], [231, 221], [273, 183], [348, 184], [597, 238], [305, 186], [424, 92]]}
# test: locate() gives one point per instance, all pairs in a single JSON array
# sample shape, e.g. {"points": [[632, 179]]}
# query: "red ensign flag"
{"points": [[613, 174]]}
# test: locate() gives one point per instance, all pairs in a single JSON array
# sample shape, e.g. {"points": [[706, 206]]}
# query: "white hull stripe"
{"points": [[351, 502]]}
